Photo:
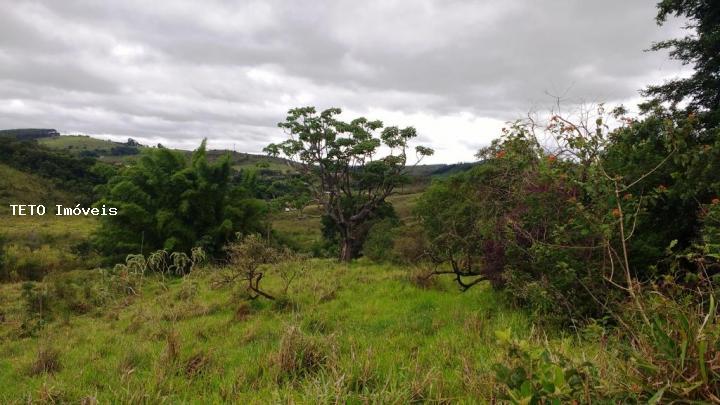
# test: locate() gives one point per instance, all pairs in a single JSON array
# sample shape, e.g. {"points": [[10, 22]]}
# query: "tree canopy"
{"points": [[166, 201], [348, 179]]}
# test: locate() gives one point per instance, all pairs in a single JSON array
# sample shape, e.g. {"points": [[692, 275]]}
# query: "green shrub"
{"points": [[676, 357], [378, 245], [24, 263], [532, 375], [410, 245], [165, 201]]}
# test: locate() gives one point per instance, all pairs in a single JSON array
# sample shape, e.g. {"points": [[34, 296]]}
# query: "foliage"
{"points": [[290, 193], [409, 245], [246, 256], [27, 263], [332, 232], [700, 49], [349, 181], [532, 375], [166, 203], [78, 176], [380, 241], [677, 356], [557, 226]]}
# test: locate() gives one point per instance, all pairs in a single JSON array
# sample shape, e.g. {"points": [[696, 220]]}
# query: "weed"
{"points": [[47, 361]]}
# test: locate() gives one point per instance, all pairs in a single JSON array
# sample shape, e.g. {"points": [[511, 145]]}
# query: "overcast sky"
{"points": [[177, 71]]}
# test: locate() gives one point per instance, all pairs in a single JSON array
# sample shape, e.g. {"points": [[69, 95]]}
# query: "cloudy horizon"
{"points": [[175, 72]]}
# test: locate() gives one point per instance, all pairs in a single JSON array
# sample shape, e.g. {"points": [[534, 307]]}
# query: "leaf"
{"points": [[702, 348], [503, 336], [657, 397]]}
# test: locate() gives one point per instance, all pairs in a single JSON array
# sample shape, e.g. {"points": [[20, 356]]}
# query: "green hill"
{"points": [[17, 187], [78, 143], [28, 133]]}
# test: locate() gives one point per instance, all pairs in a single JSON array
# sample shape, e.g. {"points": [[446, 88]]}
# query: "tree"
{"points": [[349, 182], [166, 202], [700, 49]]}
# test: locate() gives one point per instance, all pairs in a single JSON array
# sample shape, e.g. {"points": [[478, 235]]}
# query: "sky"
{"points": [[174, 71]]}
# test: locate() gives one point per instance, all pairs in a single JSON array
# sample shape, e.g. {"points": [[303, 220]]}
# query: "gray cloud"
{"points": [[176, 71]]}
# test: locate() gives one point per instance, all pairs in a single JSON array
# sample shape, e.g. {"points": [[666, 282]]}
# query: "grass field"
{"points": [[344, 334], [78, 143]]}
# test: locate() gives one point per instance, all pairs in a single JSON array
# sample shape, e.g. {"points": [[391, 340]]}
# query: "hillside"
{"points": [[28, 133], [18, 187], [78, 143]]}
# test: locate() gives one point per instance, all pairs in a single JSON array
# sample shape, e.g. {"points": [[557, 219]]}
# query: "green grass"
{"points": [[38, 244], [78, 143], [17, 187], [379, 337]]}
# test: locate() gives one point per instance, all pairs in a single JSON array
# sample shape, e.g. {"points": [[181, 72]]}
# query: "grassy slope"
{"points": [[18, 187], [46, 240], [382, 339], [77, 143]]}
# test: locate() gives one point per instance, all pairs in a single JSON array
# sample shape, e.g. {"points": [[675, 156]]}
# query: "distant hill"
{"points": [[267, 167], [29, 133], [87, 146]]}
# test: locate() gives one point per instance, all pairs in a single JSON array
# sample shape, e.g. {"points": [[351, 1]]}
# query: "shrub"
{"points": [[47, 361], [410, 245], [299, 354], [531, 375], [24, 263], [168, 202], [378, 245]]}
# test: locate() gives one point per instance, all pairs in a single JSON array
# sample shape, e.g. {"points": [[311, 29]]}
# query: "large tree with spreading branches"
{"points": [[340, 159]]}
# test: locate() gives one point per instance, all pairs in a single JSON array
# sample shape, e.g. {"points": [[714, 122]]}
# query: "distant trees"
{"points": [[340, 158], [166, 202], [78, 175]]}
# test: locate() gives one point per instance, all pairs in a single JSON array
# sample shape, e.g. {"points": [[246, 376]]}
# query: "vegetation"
{"points": [[338, 159], [583, 252], [75, 175], [166, 202]]}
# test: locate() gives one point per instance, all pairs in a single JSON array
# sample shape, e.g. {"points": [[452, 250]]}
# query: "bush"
{"points": [[299, 355], [24, 263], [410, 245], [167, 202], [378, 245], [532, 375]]}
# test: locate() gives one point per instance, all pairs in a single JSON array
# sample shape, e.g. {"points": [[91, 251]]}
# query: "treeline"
{"points": [[77, 175], [28, 133]]}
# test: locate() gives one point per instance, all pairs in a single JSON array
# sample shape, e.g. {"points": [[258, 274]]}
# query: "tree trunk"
{"points": [[346, 250]]}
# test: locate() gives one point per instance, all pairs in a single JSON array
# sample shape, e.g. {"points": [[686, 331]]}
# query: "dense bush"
{"points": [[166, 202], [567, 229], [379, 243], [26, 263]]}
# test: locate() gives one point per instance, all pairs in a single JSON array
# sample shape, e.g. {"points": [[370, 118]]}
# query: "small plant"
{"points": [[246, 257], [299, 354], [677, 357], [46, 362], [536, 376]]}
